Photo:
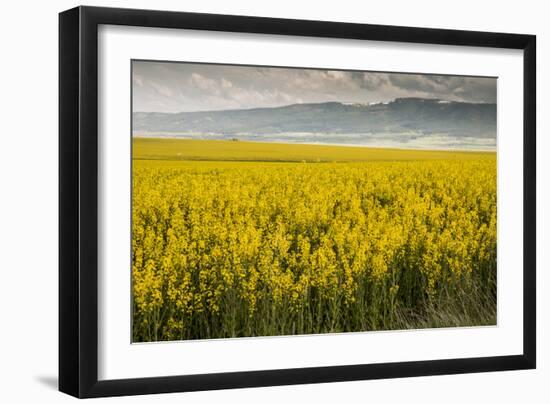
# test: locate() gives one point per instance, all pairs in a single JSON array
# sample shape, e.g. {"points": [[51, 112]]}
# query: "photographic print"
{"points": [[272, 201]]}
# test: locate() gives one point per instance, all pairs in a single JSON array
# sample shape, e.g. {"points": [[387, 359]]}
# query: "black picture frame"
{"points": [[78, 201]]}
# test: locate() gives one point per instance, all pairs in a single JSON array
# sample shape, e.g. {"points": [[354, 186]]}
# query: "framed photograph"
{"points": [[251, 201]]}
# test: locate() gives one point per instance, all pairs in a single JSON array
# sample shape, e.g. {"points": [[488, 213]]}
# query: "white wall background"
{"points": [[28, 200]]}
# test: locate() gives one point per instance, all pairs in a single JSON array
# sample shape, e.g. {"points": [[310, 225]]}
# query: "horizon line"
{"points": [[320, 103]]}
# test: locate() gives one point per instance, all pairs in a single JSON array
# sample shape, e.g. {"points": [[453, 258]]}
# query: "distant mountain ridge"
{"points": [[403, 115]]}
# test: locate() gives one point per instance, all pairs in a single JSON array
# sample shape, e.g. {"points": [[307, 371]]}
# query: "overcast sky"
{"points": [[179, 87]]}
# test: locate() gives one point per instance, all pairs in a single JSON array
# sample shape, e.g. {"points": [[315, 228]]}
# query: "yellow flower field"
{"points": [[306, 244]]}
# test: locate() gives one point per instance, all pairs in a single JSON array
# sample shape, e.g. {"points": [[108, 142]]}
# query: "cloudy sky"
{"points": [[180, 87]]}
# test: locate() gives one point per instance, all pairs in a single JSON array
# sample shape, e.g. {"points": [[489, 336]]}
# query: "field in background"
{"points": [[364, 239], [187, 149]]}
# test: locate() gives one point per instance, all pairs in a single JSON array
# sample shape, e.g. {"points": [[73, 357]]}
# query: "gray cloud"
{"points": [[455, 88], [175, 87]]}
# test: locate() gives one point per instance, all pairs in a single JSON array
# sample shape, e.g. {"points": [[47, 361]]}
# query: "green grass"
{"points": [[224, 150]]}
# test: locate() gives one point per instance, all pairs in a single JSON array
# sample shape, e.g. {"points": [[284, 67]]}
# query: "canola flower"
{"points": [[252, 249]]}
